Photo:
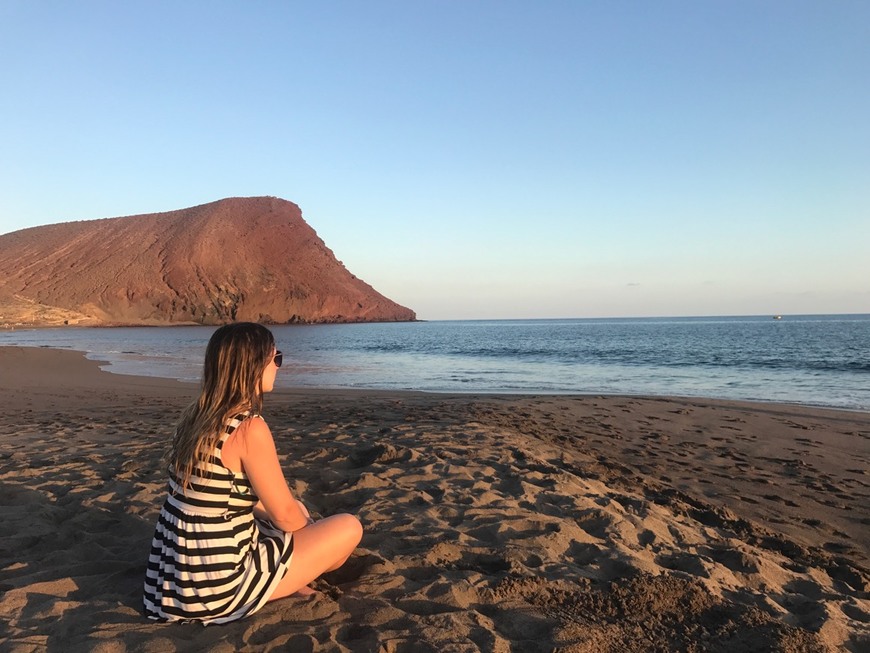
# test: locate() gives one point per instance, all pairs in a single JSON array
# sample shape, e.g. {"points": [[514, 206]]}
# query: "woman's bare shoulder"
{"points": [[253, 433]]}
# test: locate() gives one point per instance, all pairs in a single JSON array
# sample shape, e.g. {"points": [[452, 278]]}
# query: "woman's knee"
{"points": [[352, 527]]}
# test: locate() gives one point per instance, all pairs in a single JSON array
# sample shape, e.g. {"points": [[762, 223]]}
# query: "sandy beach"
{"points": [[493, 523]]}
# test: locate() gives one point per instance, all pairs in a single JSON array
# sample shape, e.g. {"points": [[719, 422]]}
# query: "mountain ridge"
{"points": [[234, 259]]}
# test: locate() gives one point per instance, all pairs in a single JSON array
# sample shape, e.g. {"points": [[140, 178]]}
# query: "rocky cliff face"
{"points": [[235, 259]]}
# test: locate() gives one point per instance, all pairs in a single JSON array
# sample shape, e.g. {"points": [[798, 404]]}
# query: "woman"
{"points": [[230, 535]]}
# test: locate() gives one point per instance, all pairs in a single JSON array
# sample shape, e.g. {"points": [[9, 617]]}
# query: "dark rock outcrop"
{"points": [[235, 259]]}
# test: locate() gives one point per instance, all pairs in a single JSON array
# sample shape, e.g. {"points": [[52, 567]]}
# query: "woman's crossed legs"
{"points": [[322, 546]]}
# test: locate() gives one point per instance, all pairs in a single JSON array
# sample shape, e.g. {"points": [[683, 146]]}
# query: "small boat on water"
{"points": [[777, 317]]}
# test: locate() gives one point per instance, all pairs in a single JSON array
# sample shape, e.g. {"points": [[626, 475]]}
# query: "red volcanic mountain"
{"points": [[237, 259]]}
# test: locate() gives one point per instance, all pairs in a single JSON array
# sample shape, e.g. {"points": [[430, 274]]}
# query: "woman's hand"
{"points": [[305, 512]]}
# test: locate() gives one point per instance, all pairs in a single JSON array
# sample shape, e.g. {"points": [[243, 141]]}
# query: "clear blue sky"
{"points": [[473, 159]]}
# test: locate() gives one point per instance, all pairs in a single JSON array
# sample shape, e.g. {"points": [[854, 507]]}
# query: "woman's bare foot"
{"points": [[303, 593]]}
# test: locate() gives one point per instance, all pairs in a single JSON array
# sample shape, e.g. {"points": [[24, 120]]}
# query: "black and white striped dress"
{"points": [[211, 560]]}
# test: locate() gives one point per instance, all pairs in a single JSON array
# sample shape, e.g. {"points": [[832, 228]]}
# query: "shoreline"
{"points": [[459, 393], [83, 324], [500, 521]]}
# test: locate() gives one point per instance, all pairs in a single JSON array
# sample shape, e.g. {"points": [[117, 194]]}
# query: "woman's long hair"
{"points": [[232, 382]]}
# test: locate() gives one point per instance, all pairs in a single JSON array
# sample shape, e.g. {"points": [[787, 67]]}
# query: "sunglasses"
{"points": [[279, 358]]}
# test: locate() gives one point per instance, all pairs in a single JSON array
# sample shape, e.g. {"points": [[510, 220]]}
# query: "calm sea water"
{"points": [[819, 360]]}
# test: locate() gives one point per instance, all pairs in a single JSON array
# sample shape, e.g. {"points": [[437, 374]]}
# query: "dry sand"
{"points": [[493, 523]]}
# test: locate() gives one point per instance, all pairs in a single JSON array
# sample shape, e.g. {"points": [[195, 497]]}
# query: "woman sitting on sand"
{"points": [[230, 535]]}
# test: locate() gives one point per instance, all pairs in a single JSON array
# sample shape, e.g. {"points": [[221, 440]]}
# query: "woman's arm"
{"points": [[260, 511], [260, 461]]}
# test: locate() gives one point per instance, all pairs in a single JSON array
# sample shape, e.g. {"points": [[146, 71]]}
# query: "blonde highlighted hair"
{"points": [[232, 382]]}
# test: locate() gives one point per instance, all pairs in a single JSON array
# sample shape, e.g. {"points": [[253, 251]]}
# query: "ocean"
{"points": [[818, 360]]}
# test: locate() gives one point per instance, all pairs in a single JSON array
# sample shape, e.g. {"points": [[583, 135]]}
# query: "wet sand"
{"points": [[493, 523]]}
